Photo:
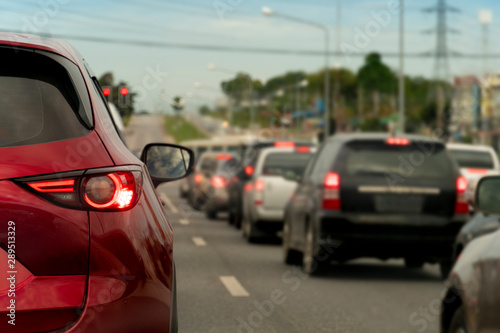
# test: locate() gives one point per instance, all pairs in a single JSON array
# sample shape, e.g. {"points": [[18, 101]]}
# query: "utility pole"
{"points": [[401, 69], [485, 18], [441, 56], [338, 68]]}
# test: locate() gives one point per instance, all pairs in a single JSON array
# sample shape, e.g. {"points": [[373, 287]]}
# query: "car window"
{"points": [[376, 157], [324, 161], [39, 102], [473, 159], [285, 164]]}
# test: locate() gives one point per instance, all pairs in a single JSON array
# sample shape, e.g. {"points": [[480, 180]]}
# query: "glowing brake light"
{"points": [[249, 170], [118, 190], [478, 171], [57, 186], [198, 178], [397, 141], [331, 191], [221, 157], [259, 188], [302, 149], [219, 182], [113, 190], [461, 205], [284, 144]]}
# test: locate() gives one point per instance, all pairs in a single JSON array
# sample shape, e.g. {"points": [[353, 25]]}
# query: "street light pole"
{"points": [[269, 12], [401, 69]]}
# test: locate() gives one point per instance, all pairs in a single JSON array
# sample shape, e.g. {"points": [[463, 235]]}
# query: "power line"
{"points": [[225, 48]]}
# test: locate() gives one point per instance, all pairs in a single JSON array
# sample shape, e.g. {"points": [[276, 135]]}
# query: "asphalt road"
{"points": [[227, 285]]}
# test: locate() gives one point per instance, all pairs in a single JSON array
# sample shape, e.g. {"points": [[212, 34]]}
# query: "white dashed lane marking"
{"points": [[184, 221], [198, 241], [234, 286], [170, 205]]}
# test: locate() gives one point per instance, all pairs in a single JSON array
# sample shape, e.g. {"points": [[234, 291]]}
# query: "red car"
{"points": [[85, 245]]}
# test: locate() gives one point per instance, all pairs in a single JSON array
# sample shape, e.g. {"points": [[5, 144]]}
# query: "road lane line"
{"points": [[234, 286], [184, 221], [198, 241], [170, 205]]}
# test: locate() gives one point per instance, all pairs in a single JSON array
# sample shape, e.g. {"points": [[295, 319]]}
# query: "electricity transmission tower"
{"points": [[442, 52]]}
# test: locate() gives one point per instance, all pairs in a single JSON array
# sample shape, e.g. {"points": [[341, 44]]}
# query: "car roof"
{"points": [[40, 43], [465, 146], [346, 137]]}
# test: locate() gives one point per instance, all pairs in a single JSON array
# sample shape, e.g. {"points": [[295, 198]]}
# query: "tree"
{"points": [[376, 76], [204, 110], [177, 104]]}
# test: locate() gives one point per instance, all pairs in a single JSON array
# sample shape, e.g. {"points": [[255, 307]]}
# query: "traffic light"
{"points": [[123, 97], [106, 91]]}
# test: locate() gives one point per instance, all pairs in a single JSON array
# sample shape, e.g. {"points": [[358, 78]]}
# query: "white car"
{"points": [[474, 161], [273, 182]]}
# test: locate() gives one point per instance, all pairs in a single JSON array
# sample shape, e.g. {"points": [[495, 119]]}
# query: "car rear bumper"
{"points": [[390, 235], [217, 201], [260, 213]]}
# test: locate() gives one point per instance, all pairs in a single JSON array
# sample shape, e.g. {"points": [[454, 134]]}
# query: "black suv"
{"points": [[248, 158], [373, 195]]}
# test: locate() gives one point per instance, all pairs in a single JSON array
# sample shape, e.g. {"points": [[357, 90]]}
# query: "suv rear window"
{"points": [[366, 158], [473, 159], [281, 164], [38, 99]]}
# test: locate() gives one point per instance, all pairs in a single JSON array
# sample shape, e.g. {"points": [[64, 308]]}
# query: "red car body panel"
{"points": [[83, 271]]}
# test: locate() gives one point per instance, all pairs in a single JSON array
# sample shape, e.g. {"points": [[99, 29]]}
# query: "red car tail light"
{"points": [[397, 141], [259, 188], [221, 157], [198, 178], [461, 205], [249, 170], [114, 190], [219, 182], [118, 190], [302, 149], [331, 191], [284, 144]]}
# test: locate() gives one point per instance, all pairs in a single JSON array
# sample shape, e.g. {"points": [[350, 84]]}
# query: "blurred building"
{"points": [[465, 109], [490, 110]]}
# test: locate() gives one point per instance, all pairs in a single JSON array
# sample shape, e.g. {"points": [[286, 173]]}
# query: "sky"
{"points": [[117, 36]]}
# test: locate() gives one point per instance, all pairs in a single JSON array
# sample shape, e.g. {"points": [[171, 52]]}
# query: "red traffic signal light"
{"points": [[124, 91], [106, 91]]}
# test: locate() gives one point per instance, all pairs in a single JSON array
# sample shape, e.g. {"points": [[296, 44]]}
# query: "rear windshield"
{"points": [[285, 164], [473, 159], [409, 161], [38, 99]]}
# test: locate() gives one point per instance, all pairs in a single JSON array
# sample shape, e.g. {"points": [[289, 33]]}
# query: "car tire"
{"points": [[211, 214], [251, 232], [238, 218], [457, 324], [231, 218], [310, 264], [290, 256], [414, 263], [445, 268]]}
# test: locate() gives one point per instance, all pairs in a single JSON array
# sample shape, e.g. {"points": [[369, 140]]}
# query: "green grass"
{"points": [[180, 129]]}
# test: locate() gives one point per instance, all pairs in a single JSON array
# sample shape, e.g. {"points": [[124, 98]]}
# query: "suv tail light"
{"points": [[95, 190], [219, 182], [258, 189], [461, 205], [249, 170], [331, 191]]}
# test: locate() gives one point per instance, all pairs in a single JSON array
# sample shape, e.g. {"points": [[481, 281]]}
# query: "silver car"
{"points": [[266, 194]]}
